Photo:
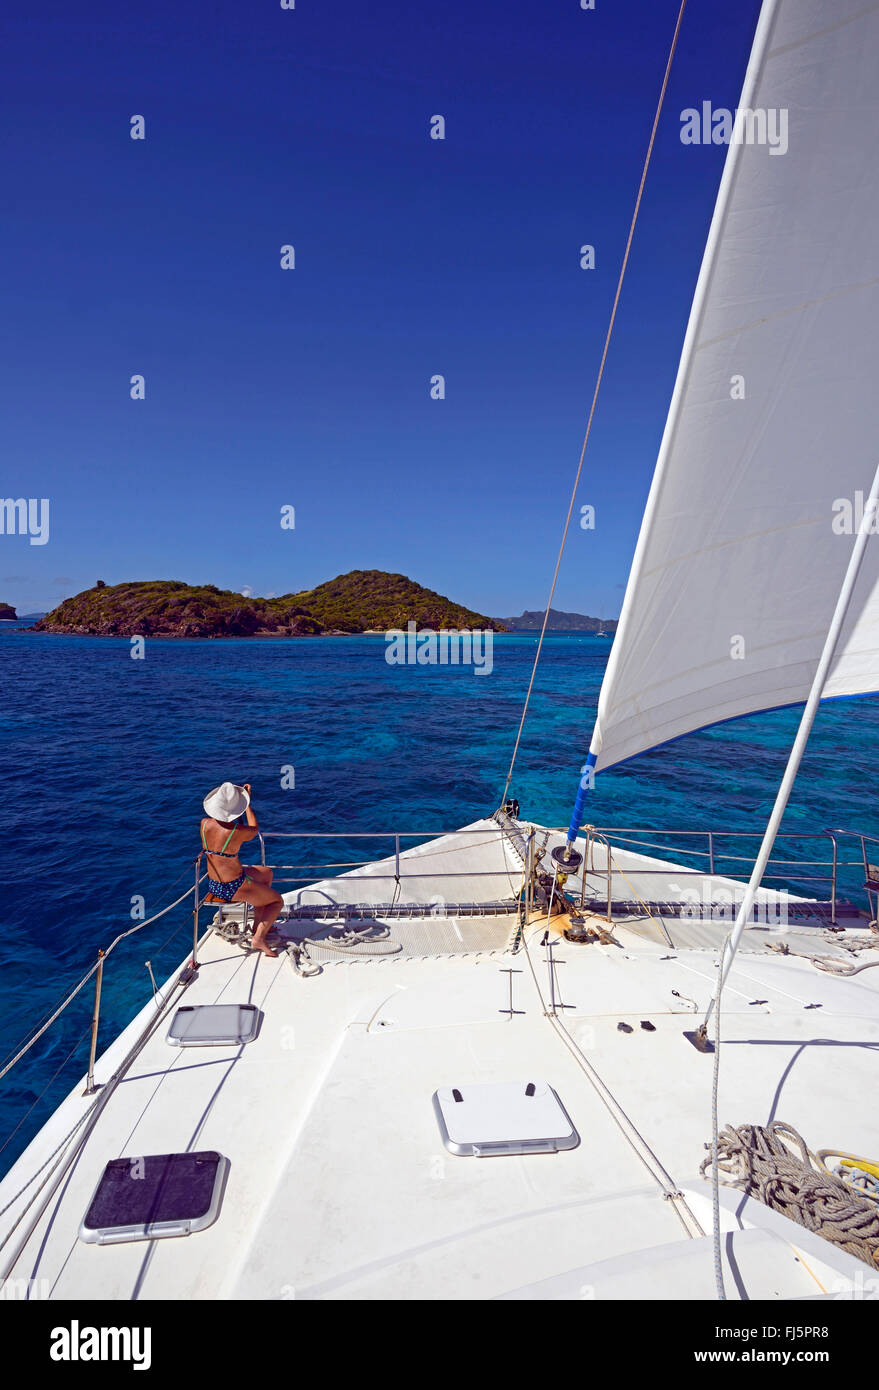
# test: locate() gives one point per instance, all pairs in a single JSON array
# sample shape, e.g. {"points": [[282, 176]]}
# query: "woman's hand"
{"points": [[250, 814]]}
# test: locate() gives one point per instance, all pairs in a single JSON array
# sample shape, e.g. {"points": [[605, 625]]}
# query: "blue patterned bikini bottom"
{"points": [[226, 891]]}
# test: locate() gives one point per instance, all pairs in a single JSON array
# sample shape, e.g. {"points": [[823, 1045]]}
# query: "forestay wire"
{"points": [[613, 314]]}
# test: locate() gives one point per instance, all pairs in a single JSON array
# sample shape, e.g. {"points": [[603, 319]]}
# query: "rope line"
{"points": [[763, 1162], [23, 1014], [85, 979], [626, 1126], [613, 314], [715, 1171], [90, 1115], [657, 921], [757, 1159], [56, 1073], [834, 966], [33, 1177]]}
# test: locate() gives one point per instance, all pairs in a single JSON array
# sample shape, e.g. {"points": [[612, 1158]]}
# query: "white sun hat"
{"points": [[227, 802]]}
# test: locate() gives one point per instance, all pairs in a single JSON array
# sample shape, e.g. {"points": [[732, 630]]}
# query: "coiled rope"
{"points": [[776, 1165], [834, 966]]}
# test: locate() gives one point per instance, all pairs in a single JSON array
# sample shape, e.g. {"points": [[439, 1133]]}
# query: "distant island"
{"points": [[559, 622], [7, 611], [361, 601]]}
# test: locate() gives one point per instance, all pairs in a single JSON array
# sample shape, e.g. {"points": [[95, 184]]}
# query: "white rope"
{"points": [[764, 1162], [833, 965], [840, 967], [715, 1175]]}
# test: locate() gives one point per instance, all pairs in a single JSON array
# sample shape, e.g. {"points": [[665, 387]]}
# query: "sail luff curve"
{"points": [[773, 428]]}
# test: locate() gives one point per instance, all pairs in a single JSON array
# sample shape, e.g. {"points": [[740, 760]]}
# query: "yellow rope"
{"points": [[615, 868]]}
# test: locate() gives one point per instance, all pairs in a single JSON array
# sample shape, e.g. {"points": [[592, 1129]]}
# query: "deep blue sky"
{"points": [[310, 387]]}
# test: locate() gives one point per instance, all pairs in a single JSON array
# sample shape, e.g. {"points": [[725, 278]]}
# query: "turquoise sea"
{"points": [[106, 760]]}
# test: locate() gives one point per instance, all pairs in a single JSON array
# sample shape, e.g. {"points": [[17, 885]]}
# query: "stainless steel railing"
{"points": [[739, 865], [705, 845], [707, 842], [396, 836], [97, 970]]}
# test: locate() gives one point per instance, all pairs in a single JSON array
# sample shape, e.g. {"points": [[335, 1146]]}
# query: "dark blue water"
{"points": [[106, 761]]}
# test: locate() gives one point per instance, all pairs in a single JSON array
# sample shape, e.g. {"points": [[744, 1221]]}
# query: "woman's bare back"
{"points": [[221, 840]]}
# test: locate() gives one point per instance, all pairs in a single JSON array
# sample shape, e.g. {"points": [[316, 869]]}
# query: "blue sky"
{"points": [[310, 387]]}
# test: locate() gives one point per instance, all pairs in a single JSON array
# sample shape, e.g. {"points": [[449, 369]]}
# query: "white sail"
{"points": [[772, 437]]}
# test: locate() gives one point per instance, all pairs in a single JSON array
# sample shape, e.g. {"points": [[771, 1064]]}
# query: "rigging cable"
{"points": [[626, 1126], [613, 314], [64, 1156], [26, 1046]]}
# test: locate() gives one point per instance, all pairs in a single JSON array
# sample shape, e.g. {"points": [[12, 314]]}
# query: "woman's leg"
{"points": [[261, 875], [258, 873], [268, 916], [266, 904]]}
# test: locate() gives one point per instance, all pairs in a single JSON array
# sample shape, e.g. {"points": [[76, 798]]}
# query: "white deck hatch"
{"points": [[213, 1025], [507, 1117]]}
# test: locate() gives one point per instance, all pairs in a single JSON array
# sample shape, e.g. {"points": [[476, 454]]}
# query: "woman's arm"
{"points": [[251, 819]]}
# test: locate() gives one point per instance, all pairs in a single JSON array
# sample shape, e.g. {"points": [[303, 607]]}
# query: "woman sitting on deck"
{"points": [[227, 880]]}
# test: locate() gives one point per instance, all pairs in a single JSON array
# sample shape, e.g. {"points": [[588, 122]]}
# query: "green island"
{"points": [[361, 601], [532, 621], [7, 611]]}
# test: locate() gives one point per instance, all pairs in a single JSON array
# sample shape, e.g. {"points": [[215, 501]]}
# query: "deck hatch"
{"points": [[155, 1196], [498, 1118], [213, 1025]]}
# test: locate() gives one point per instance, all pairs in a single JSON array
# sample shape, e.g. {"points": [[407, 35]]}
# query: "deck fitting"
{"points": [[700, 1039], [566, 858]]}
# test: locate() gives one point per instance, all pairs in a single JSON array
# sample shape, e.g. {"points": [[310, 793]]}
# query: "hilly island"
{"points": [[532, 621], [361, 601]]}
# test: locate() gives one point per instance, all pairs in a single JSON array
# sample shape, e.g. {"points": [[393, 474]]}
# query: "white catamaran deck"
{"points": [[339, 1183]]}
